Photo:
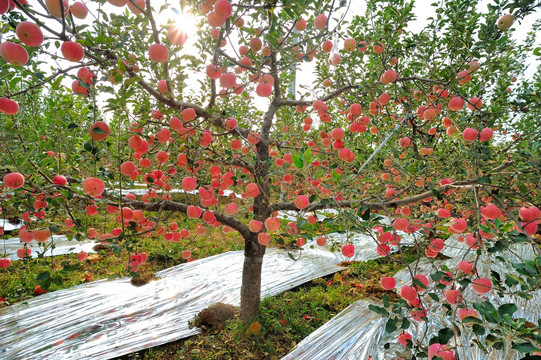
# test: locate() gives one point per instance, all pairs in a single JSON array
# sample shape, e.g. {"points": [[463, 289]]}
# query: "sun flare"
{"points": [[186, 23]]}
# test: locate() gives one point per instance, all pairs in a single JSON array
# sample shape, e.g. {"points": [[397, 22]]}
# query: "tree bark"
{"points": [[250, 292]]}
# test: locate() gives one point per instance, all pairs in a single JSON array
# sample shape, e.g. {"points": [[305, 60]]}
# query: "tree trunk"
{"points": [[250, 292]]}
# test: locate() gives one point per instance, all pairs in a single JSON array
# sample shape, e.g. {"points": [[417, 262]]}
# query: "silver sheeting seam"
{"points": [[357, 332]]}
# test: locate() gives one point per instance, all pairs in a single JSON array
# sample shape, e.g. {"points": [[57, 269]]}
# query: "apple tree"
{"points": [[279, 105]]}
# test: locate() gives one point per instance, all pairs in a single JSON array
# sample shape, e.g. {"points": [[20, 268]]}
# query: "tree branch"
{"points": [[168, 205], [378, 205], [45, 81], [339, 91], [156, 35]]}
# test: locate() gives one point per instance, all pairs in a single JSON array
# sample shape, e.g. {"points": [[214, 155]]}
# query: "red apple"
{"points": [[72, 51], [79, 10], [29, 33], [14, 54], [8, 106], [99, 131]]}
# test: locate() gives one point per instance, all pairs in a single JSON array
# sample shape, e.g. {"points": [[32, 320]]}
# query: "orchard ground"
{"points": [[285, 319]]}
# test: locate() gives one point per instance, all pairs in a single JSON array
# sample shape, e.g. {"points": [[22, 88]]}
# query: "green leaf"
{"points": [[524, 347], [9, 123], [419, 284], [58, 280], [507, 309], [437, 275], [378, 310], [43, 276], [519, 238], [297, 161], [405, 324], [385, 300], [471, 319], [132, 80], [390, 326], [308, 157], [113, 277], [437, 194], [484, 180], [97, 130], [117, 249], [121, 66], [25, 159], [499, 246], [444, 335], [72, 126], [478, 330], [87, 146], [14, 81], [364, 212]]}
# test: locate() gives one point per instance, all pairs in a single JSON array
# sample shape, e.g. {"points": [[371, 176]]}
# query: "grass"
{"points": [[18, 282]]}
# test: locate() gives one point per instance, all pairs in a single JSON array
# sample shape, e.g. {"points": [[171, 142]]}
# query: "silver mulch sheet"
{"points": [[9, 226], [357, 332], [62, 246], [102, 319]]}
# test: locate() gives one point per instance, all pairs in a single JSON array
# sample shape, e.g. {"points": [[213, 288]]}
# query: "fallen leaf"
{"points": [[254, 328], [94, 258], [38, 290]]}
